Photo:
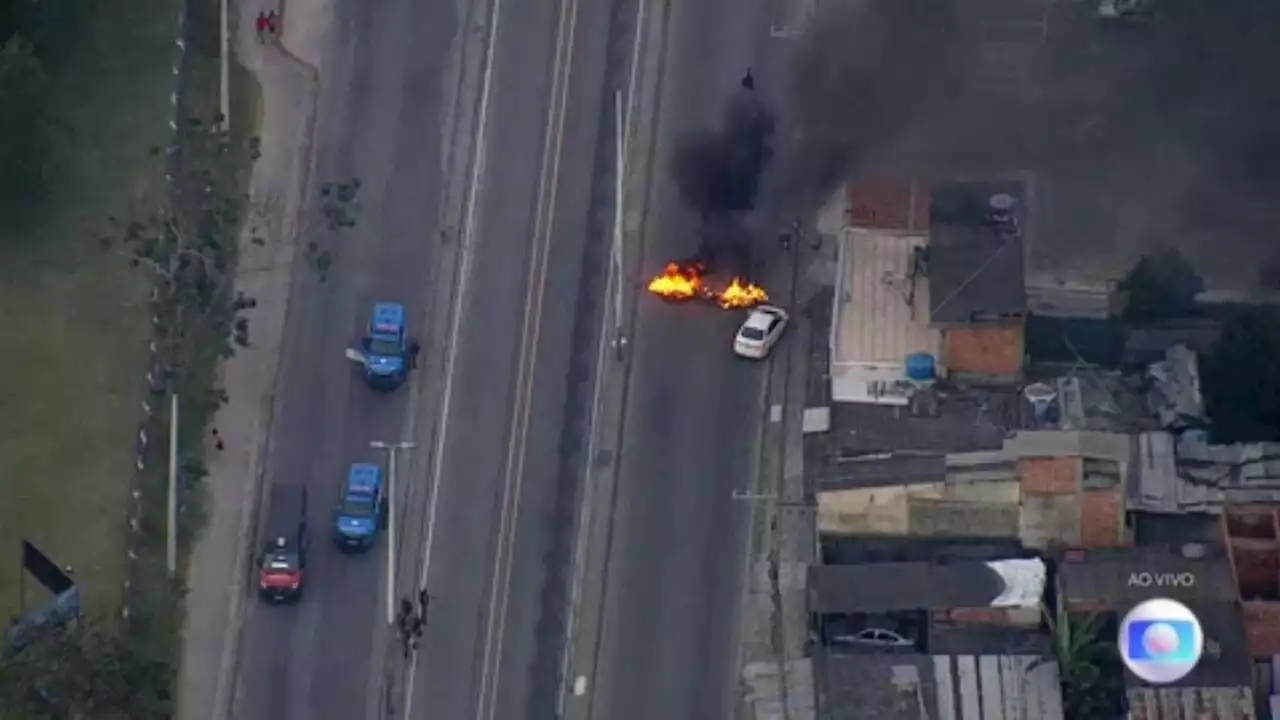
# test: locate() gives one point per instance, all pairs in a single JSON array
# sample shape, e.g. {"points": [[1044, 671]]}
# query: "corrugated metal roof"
{"points": [[1187, 474], [882, 303], [1156, 485], [940, 687], [1175, 396], [1195, 703]]}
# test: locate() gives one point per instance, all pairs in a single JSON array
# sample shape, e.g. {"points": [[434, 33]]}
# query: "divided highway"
{"points": [[473, 131], [480, 132]]}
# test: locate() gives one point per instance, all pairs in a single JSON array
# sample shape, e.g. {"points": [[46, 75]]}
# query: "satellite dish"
{"points": [[1039, 393], [1002, 202]]}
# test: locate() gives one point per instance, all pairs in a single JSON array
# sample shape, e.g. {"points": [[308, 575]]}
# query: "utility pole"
{"points": [[391, 449], [171, 539], [618, 193], [224, 65]]}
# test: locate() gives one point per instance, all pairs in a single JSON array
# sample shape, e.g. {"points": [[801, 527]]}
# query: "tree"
{"points": [[92, 669], [1160, 286], [24, 120], [188, 248], [1089, 687], [1240, 378]]}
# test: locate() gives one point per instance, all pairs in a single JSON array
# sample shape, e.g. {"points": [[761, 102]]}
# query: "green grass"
{"points": [[74, 321]]}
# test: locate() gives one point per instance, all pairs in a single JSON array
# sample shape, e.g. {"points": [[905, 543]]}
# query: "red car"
{"points": [[282, 564]]}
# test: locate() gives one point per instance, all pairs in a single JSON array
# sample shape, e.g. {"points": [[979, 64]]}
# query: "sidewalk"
{"points": [[777, 676], [219, 570]]}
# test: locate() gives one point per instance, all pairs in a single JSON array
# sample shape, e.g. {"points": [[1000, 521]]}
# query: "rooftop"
{"points": [[1121, 577], [975, 264], [968, 638], [881, 314], [1194, 703], [1186, 474], [886, 587], [937, 687], [853, 549], [940, 419]]}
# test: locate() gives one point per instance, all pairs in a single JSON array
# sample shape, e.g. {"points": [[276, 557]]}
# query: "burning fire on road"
{"points": [[686, 283], [677, 283]]}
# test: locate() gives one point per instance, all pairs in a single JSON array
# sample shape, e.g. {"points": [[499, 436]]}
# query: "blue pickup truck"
{"points": [[385, 352], [362, 511]]}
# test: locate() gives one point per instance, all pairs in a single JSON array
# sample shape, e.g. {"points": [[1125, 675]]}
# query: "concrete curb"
{"points": [[593, 535], [292, 263], [273, 269]]}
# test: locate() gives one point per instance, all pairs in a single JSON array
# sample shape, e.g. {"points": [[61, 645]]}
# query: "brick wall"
{"points": [[1049, 476], [900, 205], [1100, 518], [1257, 566], [1262, 628], [985, 352]]}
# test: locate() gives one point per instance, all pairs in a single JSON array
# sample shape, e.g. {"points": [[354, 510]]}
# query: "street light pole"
{"points": [[391, 449], [171, 514], [618, 193]]}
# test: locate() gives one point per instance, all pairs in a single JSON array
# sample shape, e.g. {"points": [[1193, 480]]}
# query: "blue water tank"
{"points": [[919, 367]]}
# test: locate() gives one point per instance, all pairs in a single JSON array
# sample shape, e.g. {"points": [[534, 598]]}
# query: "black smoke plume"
{"points": [[858, 78], [718, 171]]}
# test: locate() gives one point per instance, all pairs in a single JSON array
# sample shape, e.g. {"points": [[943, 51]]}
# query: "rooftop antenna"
{"points": [[1082, 364]]}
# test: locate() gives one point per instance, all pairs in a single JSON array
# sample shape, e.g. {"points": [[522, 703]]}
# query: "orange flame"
{"points": [[741, 294], [676, 283], [685, 283]]}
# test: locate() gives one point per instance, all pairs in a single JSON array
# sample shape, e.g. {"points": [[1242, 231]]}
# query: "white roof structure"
{"points": [[1024, 581], [881, 315]]}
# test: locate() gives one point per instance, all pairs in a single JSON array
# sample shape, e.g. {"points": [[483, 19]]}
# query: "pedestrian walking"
{"points": [[217, 440], [273, 23], [748, 80], [261, 24]]}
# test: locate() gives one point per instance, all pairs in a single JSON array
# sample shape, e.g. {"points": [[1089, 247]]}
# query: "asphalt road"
{"points": [[499, 559], [674, 575], [379, 117], [483, 496]]}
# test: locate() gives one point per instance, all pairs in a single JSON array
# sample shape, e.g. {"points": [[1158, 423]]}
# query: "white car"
{"points": [[758, 334]]}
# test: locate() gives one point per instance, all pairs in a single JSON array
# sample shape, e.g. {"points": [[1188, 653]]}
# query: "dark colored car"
{"points": [[362, 511], [283, 560]]}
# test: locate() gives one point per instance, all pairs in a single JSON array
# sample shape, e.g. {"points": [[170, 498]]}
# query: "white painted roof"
{"points": [[881, 314], [1023, 582]]}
